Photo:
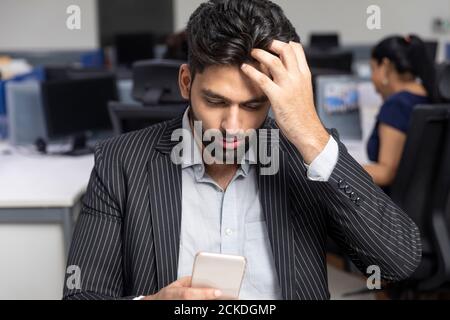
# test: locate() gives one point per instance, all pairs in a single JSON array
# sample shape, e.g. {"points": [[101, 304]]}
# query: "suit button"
{"points": [[341, 184], [358, 201], [353, 196], [348, 189]]}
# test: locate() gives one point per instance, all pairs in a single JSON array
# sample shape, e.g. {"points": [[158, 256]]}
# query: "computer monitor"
{"points": [[335, 60], [127, 118], [67, 72], [324, 41], [155, 82], [75, 107], [337, 103], [432, 47], [133, 47]]}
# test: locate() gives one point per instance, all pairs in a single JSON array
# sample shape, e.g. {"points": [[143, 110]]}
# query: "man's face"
{"points": [[226, 100]]}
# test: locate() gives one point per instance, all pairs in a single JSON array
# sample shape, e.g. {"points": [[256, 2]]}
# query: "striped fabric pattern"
{"points": [[126, 241]]}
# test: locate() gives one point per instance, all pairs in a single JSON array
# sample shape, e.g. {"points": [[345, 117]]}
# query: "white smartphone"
{"points": [[219, 271]]}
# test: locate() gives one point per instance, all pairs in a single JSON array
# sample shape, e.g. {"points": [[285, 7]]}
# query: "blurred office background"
{"points": [[63, 90]]}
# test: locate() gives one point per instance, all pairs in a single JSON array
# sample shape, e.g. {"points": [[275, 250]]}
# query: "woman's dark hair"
{"points": [[223, 32], [409, 55]]}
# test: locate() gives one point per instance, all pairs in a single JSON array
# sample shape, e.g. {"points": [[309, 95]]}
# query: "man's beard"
{"points": [[225, 155]]}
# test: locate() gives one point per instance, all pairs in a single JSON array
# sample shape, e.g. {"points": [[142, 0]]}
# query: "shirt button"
{"points": [[228, 231]]}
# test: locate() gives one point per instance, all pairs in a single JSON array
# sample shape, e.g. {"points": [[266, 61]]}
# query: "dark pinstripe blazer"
{"points": [[126, 241]]}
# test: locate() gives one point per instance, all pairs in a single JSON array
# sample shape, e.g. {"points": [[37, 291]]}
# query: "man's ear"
{"points": [[185, 81]]}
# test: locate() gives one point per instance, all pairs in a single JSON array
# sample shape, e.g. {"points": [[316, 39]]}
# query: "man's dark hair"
{"points": [[223, 32]]}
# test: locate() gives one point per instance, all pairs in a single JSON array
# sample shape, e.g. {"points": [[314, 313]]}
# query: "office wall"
{"points": [[41, 25], [348, 17], [24, 23]]}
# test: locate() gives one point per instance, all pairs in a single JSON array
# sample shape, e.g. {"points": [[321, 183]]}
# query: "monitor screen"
{"points": [[340, 97], [134, 47], [324, 40], [338, 105], [77, 106]]}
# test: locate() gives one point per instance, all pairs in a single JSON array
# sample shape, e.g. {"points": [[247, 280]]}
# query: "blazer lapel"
{"points": [[165, 205], [274, 200]]}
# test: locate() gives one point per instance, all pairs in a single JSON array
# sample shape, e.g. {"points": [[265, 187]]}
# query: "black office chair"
{"points": [[443, 81], [421, 188], [155, 82], [155, 86], [127, 118]]}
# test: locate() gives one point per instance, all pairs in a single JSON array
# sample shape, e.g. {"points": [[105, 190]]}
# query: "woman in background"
{"points": [[404, 75]]}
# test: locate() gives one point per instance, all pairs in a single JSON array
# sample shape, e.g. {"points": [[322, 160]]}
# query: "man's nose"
{"points": [[232, 123]]}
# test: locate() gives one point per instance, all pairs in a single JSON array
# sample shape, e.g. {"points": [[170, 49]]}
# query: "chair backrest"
{"points": [[415, 183], [127, 118], [442, 184]]}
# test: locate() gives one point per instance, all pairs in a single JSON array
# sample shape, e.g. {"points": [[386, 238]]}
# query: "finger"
{"points": [[272, 62], [198, 293], [269, 87], [286, 53], [301, 58], [182, 282]]}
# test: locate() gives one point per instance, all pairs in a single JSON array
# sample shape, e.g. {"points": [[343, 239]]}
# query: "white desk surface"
{"points": [[37, 181]]}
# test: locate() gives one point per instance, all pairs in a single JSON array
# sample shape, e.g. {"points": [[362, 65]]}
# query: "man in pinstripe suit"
{"points": [[144, 216]]}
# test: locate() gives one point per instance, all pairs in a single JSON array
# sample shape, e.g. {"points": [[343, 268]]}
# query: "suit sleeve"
{"points": [[366, 223], [96, 245]]}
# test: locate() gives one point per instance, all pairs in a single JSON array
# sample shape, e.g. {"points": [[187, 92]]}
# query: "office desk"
{"points": [[39, 201], [39, 188]]}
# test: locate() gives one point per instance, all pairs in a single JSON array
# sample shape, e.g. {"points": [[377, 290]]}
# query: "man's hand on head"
{"points": [[291, 95]]}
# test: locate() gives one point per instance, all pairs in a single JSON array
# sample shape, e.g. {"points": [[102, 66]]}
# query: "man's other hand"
{"points": [[181, 290]]}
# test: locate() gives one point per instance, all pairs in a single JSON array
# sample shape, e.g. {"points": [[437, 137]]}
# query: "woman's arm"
{"points": [[392, 142]]}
